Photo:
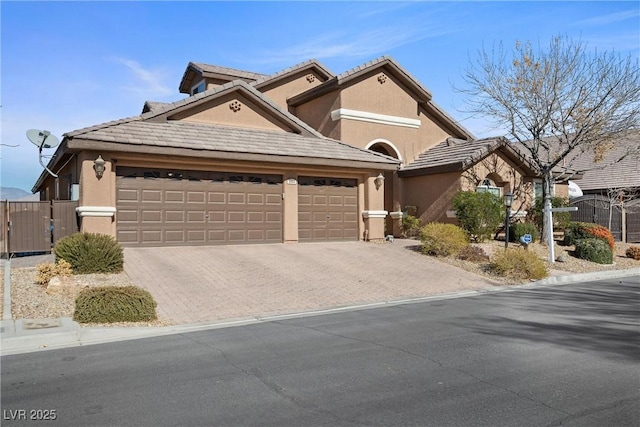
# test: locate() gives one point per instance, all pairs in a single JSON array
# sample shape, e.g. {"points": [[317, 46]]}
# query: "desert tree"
{"points": [[555, 101]]}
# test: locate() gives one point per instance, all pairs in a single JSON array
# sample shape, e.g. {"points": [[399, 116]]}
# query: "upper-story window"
{"points": [[200, 87], [489, 186]]}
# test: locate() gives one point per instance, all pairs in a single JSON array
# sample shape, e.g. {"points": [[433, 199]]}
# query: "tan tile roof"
{"points": [[609, 173], [216, 69], [149, 129], [196, 136], [453, 155], [310, 64]]}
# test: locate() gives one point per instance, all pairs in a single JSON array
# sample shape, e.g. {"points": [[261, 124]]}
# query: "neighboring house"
{"points": [[609, 174], [300, 155]]}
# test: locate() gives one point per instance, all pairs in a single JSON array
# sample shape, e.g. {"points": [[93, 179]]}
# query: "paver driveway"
{"points": [[202, 284]]}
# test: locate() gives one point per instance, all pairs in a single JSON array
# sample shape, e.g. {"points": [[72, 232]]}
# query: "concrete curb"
{"points": [[17, 340]]}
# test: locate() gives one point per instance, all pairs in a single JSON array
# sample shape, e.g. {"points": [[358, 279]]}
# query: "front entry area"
{"points": [[327, 209], [163, 207]]}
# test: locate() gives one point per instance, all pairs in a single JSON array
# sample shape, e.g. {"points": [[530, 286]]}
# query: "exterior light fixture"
{"points": [[508, 201], [99, 166], [379, 181]]}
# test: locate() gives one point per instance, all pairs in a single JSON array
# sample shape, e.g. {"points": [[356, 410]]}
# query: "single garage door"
{"points": [[327, 209], [160, 207]]}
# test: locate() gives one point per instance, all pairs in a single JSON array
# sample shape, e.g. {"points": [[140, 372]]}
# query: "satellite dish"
{"points": [[42, 139], [574, 190]]}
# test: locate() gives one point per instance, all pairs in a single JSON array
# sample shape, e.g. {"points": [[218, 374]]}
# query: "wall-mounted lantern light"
{"points": [[99, 166], [379, 181], [508, 201]]}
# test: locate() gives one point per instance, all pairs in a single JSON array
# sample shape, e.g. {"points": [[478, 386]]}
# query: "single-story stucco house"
{"points": [[300, 155]]}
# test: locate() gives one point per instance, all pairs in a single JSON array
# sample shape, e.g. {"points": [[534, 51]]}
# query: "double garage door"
{"points": [[161, 207]]}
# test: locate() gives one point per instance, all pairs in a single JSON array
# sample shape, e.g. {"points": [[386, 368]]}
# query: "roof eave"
{"points": [[85, 144]]}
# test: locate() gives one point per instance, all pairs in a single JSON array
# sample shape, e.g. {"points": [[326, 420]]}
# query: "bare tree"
{"points": [[556, 100]]}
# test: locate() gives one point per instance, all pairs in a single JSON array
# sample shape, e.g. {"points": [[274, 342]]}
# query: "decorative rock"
{"points": [[562, 257], [61, 285]]}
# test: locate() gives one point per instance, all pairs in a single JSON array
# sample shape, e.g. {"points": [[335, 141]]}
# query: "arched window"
{"points": [[487, 185]]}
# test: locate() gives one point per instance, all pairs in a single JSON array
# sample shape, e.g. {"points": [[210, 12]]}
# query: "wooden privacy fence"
{"points": [[35, 226], [623, 221]]}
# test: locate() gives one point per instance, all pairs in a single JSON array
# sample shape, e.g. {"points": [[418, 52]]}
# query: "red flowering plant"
{"points": [[584, 230]]}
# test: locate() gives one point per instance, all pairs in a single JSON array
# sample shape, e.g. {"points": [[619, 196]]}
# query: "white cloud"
{"points": [[149, 82], [358, 43], [610, 18]]}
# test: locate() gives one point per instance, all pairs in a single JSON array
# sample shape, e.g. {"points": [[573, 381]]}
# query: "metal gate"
{"points": [[35, 226], [598, 210], [632, 216]]}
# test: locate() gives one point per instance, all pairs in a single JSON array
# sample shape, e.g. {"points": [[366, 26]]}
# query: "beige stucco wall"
{"points": [[379, 93], [96, 193], [431, 195], [290, 86], [317, 114], [243, 114]]}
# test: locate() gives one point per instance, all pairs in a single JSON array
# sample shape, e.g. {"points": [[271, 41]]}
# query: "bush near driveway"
{"points": [[595, 250], [110, 304], [90, 253], [479, 214], [585, 230], [518, 264], [440, 239]]}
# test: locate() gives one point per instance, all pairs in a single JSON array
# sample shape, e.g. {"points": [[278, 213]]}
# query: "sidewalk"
{"points": [[29, 335]]}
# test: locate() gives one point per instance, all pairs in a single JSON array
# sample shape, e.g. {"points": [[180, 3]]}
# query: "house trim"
{"points": [[374, 214], [365, 116], [101, 211]]}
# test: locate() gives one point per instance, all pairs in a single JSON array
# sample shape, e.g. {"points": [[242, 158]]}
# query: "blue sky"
{"points": [[68, 65]]}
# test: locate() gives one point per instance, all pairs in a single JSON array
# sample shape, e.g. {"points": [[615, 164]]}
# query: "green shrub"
{"points": [[479, 214], [410, 225], [442, 239], [595, 250], [560, 219], [473, 253], [90, 253], [518, 264], [44, 272], [109, 304], [519, 229], [633, 252], [585, 230]]}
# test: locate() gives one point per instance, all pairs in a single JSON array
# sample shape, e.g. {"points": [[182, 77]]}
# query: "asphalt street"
{"points": [[564, 355]]}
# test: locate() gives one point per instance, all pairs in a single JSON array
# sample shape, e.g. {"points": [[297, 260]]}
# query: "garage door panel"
{"points": [[304, 200], [127, 236], [237, 216], [237, 198], [327, 209], [274, 199], [151, 236], [228, 212], [217, 197], [195, 197], [174, 196], [273, 217], [196, 236], [217, 216], [195, 217], [350, 201], [127, 216], [237, 236], [127, 195], [216, 236], [174, 216], [255, 199], [151, 196], [151, 216]]}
